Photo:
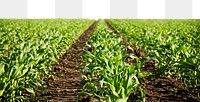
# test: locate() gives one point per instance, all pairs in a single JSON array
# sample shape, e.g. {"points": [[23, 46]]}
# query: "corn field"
{"points": [[30, 48]]}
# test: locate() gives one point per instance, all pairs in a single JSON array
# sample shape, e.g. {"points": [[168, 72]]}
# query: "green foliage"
{"points": [[28, 49], [109, 77], [175, 44]]}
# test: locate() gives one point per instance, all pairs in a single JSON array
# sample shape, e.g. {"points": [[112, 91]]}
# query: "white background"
{"points": [[99, 9], [41, 8], [96, 9], [151, 9], [196, 9]]}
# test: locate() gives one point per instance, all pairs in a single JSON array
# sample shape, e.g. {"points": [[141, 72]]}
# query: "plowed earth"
{"points": [[159, 88], [67, 82]]}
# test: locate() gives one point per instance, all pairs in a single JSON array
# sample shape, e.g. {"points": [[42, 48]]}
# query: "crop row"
{"points": [[174, 44], [28, 49], [109, 78]]}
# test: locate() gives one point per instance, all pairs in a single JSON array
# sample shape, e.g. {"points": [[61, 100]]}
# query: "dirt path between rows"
{"points": [[67, 82], [160, 88]]}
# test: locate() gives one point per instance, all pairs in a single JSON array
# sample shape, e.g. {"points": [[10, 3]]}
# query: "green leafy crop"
{"points": [[175, 44], [109, 78], [28, 49]]}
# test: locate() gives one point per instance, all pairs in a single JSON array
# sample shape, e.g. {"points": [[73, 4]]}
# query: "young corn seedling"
{"points": [[173, 43], [110, 78], [28, 49]]}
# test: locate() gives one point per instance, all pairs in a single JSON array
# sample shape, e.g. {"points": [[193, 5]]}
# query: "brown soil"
{"points": [[66, 84], [160, 88]]}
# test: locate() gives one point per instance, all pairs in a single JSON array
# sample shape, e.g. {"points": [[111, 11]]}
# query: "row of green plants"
{"points": [[108, 77], [174, 44], [28, 49]]}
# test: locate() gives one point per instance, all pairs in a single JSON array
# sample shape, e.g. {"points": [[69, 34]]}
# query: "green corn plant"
{"points": [[28, 49], [109, 77], [173, 43]]}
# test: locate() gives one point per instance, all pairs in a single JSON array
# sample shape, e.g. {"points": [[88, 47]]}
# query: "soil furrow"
{"points": [[66, 84], [160, 88]]}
